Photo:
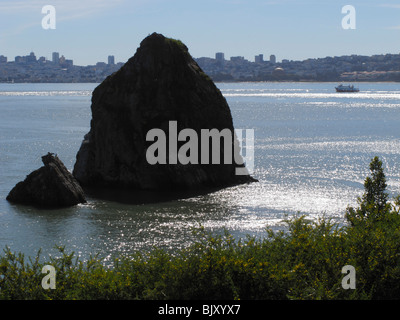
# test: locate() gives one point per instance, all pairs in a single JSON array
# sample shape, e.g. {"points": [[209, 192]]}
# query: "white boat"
{"points": [[349, 88]]}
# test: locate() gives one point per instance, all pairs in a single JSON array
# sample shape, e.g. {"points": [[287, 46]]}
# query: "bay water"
{"points": [[312, 152]]}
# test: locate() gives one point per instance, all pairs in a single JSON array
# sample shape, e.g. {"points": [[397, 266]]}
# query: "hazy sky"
{"points": [[87, 31]]}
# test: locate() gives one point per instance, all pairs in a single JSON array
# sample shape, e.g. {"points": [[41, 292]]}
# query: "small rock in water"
{"points": [[50, 186]]}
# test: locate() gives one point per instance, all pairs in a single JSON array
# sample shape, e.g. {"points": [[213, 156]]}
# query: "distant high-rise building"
{"points": [[220, 56], [62, 61], [111, 60], [237, 59], [259, 58], [3, 59], [56, 58], [31, 58], [272, 58], [19, 59]]}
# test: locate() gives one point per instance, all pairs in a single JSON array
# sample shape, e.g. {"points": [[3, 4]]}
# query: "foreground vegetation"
{"points": [[304, 262]]}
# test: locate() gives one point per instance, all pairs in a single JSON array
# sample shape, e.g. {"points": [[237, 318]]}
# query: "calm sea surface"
{"points": [[312, 151]]}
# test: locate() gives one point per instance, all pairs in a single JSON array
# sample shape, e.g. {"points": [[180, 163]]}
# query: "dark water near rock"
{"points": [[312, 150]]}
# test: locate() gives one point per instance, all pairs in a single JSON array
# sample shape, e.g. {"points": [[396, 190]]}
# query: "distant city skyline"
{"points": [[91, 30], [219, 56], [55, 57], [386, 67]]}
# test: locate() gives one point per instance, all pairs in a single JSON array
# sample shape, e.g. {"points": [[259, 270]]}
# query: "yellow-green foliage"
{"points": [[303, 263]]}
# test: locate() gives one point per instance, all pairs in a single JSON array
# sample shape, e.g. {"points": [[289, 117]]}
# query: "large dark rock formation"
{"points": [[159, 84], [49, 186]]}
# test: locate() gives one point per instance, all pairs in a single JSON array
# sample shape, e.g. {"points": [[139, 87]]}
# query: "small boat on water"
{"points": [[349, 88]]}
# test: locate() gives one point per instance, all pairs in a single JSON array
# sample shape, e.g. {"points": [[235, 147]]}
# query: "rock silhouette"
{"points": [[50, 186], [159, 84]]}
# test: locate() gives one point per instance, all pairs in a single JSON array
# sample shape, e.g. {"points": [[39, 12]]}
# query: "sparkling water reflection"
{"points": [[312, 151]]}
